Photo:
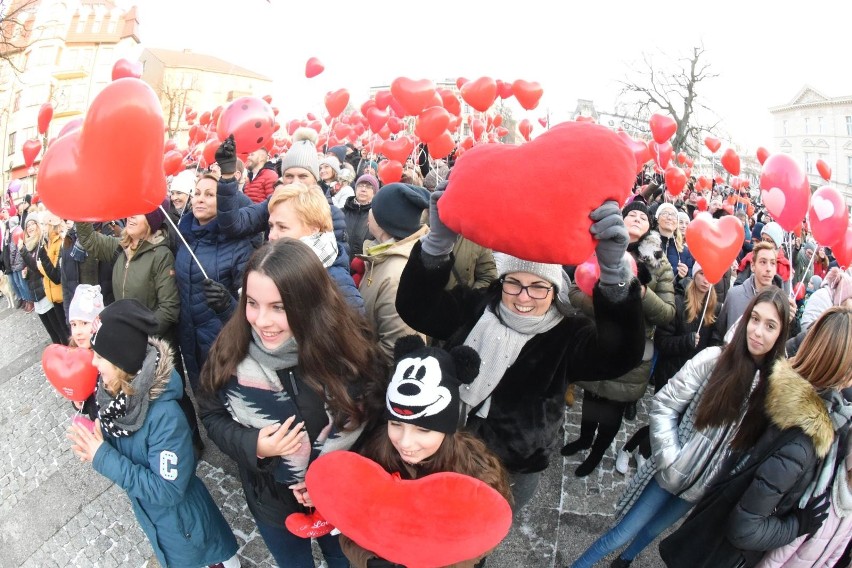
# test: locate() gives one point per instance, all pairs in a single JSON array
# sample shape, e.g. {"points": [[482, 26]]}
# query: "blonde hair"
{"points": [[694, 303], [309, 202], [825, 356], [123, 379]]}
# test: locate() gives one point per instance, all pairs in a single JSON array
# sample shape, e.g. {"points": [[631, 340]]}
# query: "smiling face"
{"points": [[523, 304], [637, 224], [414, 443], [326, 172], [204, 201], [682, 224], [137, 227], [667, 222], [265, 310], [764, 327], [179, 199]]}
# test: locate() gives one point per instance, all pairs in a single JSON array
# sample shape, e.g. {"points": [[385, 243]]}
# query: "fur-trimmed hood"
{"points": [[162, 370], [651, 249], [791, 402]]}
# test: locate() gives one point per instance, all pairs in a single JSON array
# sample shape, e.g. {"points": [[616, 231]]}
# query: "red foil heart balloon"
{"points": [[714, 243], [124, 68], [662, 127], [70, 371], [313, 68], [480, 93], [413, 96], [397, 519], [527, 93]]}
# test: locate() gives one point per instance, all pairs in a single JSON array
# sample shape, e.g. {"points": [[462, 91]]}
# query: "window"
{"points": [[81, 25], [807, 125], [820, 125], [809, 161], [784, 126], [44, 56], [849, 126], [10, 147], [848, 168], [16, 105]]}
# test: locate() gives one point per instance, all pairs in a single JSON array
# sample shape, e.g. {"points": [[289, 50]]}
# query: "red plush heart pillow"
{"points": [[533, 201], [438, 520]]}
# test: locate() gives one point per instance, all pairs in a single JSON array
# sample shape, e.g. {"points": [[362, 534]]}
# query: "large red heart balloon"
{"points": [[661, 153], [250, 120], [390, 171], [528, 93], [31, 149], [675, 180], [450, 101], [412, 95], [827, 216], [398, 150], [480, 93], [731, 161], [313, 68], [824, 169], [124, 68], [785, 190], [45, 114], [713, 144], [663, 127], [714, 243], [441, 146], [172, 163], [70, 371], [336, 101], [112, 167], [398, 519], [525, 128], [431, 123], [842, 249], [377, 118], [587, 165], [762, 154], [640, 150]]}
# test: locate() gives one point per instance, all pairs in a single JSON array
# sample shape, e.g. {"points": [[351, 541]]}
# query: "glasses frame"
{"points": [[524, 288]]}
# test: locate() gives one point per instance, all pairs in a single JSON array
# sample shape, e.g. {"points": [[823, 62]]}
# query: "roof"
{"points": [[808, 96], [202, 62]]}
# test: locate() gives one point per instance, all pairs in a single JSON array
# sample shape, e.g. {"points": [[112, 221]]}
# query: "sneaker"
{"points": [[622, 461]]}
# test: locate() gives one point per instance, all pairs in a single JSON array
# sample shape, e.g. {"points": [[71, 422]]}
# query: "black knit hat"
{"points": [[121, 334], [397, 208], [636, 205], [424, 387]]}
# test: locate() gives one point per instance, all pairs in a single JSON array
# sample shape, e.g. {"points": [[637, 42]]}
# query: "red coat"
{"points": [[262, 185]]}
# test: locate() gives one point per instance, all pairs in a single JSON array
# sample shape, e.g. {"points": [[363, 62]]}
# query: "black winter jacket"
{"points": [[675, 342]]}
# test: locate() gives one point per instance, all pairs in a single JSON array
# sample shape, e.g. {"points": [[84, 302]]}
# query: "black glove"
{"points": [[217, 296], [441, 239], [226, 156], [643, 274], [382, 563], [813, 515], [609, 229]]}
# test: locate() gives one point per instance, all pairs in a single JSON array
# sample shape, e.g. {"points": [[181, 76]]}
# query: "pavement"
{"points": [[56, 511]]}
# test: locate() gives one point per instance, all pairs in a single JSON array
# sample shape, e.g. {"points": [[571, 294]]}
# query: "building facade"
{"points": [[813, 126]]}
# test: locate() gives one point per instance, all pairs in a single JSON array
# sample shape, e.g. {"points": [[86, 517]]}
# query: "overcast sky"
{"points": [[764, 52]]}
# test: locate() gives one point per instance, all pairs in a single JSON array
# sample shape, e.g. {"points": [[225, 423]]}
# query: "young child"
{"points": [[421, 437], [85, 306], [148, 449]]}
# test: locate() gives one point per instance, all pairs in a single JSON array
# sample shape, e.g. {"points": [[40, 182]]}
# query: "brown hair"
{"points": [[732, 377], [763, 245], [825, 356], [126, 241], [338, 354], [694, 304], [309, 202], [461, 452]]}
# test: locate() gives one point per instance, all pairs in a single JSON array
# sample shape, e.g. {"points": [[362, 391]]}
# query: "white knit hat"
{"points": [[86, 304], [184, 182], [506, 264], [666, 207]]}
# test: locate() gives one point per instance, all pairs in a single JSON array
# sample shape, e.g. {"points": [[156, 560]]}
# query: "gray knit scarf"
{"points": [[284, 356], [325, 245], [125, 414], [499, 340]]}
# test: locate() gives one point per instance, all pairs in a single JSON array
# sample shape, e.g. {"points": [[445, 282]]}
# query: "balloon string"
{"points": [[188, 248], [703, 312]]}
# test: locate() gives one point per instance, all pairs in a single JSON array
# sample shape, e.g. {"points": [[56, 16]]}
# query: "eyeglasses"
{"points": [[534, 291], [668, 214]]}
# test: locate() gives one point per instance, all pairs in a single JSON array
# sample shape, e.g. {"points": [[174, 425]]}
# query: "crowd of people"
{"points": [[310, 309]]}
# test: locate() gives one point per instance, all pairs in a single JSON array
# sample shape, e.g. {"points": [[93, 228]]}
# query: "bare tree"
{"points": [[17, 24], [173, 95], [674, 90]]}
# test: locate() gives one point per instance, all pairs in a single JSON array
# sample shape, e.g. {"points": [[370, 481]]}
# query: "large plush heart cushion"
{"points": [[533, 201], [437, 520]]}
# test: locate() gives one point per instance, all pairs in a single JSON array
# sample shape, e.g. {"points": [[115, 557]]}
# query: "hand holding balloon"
{"points": [[608, 228], [85, 443]]}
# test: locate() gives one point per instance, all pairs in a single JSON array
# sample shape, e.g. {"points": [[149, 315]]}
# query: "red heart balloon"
{"points": [[431, 123], [377, 118], [675, 180], [713, 144], [663, 127], [398, 150], [762, 154], [112, 167], [827, 216], [525, 128], [250, 120], [205, 118], [172, 163], [731, 161], [480, 93], [403, 514], [785, 190], [441, 146], [450, 101], [640, 150], [390, 171], [587, 164], [504, 89], [45, 114], [31, 149], [842, 249], [714, 243], [661, 153], [460, 81], [413, 96], [824, 169], [124, 68], [70, 371], [210, 148], [336, 101], [313, 68], [528, 93], [543, 122], [383, 99], [701, 204]]}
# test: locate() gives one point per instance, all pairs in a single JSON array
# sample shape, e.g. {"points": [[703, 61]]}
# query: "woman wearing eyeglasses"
{"points": [[531, 344]]}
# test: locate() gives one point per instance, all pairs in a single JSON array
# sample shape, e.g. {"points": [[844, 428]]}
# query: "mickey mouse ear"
{"points": [[406, 344], [467, 363]]}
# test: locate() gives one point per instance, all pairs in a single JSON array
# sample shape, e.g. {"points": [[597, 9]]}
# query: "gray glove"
{"points": [[609, 229], [440, 239]]}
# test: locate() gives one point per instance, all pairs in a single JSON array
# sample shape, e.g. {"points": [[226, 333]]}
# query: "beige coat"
{"points": [[384, 264]]}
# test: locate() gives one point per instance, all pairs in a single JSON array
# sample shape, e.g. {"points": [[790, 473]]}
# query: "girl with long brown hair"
{"points": [[294, 373], [695, 420]]}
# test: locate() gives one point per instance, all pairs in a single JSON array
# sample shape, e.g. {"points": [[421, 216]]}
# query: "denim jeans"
{"points": [[20, 286], [654, 511], [291, 551]]}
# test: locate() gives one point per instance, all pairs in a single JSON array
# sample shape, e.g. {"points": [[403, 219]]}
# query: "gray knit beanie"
{"points": [[506, 264], [303, 152]]}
